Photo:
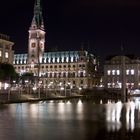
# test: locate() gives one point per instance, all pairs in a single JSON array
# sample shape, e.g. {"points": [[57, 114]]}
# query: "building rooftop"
{"points": [[4, 37]]}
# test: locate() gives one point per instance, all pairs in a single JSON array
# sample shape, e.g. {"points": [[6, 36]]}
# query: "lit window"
{"points": [[132, 84], [132, 72], [113, 72], [108, 72], [127, 72], [109, 85], [6, 55], [0, 53], [67, 59], [118, 72], [0, 85]]}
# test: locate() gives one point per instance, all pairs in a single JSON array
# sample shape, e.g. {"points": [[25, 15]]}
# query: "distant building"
{"points": [[116, 65], [6, 52], [65, 68]]}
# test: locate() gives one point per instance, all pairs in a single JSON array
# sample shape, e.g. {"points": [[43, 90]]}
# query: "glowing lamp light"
{"points": [[6, 86], [62, 88], [34, 88]]}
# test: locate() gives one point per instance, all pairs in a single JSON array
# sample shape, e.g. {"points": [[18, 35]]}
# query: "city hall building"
{"points": [[55, 69]]}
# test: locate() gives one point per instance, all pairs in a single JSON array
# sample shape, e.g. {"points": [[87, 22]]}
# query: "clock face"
{"points": [[33, 45], [33, 56]]}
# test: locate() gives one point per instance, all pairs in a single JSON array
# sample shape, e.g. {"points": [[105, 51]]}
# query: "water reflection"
{"points": [[113, 115], [71, 119], [119, 115]]}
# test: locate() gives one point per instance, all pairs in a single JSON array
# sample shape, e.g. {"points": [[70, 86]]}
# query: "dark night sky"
{"points": [[103, 24]]}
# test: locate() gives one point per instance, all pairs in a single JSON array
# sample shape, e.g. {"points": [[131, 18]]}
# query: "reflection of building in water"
{"points": [[130, 115], [125, 115], [113, 114]]}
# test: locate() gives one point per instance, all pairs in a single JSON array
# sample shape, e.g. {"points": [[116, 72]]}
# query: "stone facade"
{"points": [[118, 68], [6, 52]]}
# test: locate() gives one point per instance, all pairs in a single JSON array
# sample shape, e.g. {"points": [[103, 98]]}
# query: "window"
{"points": [[132, 72], [82, 81], [6, 55], [113, 72], [127, 72], [56, 60], [64, 74], [81, 74], [108, 72], [73, 75], [109, 85], [118, 72], [55, 75], [0, 53]]}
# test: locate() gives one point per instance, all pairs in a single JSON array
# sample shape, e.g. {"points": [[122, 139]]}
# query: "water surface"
{"points": [[70, 120]]}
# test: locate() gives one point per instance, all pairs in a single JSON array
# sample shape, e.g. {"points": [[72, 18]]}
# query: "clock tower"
{"points": [[36, 42]]}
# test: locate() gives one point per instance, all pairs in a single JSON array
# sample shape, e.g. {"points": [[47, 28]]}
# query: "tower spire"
{"points": [[37, 22], [36, 44]]}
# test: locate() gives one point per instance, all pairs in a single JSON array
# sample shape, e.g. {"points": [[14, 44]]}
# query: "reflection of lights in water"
{"points": [[80, 109], [137, 103], [101, 102], [68, 102], [118, 110], [79, 102], [61, 107], [34, 110], [64, 110], [113, 114], [130, 115], [51, 101], [108, 102]]}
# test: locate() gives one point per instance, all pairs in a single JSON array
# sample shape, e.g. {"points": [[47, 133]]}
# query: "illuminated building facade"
{"points": [[113, 70], [6, 52], [65, 68]]}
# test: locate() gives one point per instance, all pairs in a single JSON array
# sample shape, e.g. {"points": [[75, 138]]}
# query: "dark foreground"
{"points": [[71, 119]]}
